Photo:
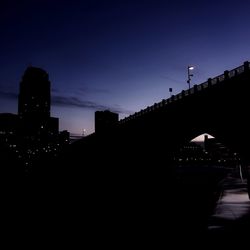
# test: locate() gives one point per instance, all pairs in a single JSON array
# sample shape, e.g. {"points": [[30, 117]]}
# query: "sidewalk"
{"points": [[231, 219]]}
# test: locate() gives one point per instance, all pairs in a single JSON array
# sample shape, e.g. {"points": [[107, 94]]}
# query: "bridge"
{"points": [[219, 106], [134, 158]]}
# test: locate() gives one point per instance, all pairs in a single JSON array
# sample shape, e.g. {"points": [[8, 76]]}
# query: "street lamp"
{"points": [[189, 75], [83, 132]]}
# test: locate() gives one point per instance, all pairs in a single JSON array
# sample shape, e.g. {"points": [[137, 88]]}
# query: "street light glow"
{"points": [[189, 75]]}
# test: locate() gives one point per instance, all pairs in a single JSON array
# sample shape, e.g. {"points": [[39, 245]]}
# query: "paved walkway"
{"points": [[231, 220]]}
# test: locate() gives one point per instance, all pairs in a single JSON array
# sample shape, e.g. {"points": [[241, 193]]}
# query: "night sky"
{"points": [[117, 55]]}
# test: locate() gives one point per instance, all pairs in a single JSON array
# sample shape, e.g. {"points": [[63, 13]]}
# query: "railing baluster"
{"points": [[211, 81]]}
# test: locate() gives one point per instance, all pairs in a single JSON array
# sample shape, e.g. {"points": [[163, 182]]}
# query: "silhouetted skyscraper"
{"points": [[34, 104], [34, 95]]}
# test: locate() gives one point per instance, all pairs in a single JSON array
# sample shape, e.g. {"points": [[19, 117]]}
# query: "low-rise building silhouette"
{"points": [[9, 124], [105, 120]]}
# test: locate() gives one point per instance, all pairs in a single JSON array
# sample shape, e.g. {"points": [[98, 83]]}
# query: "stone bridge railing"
{"points": [[211, 81]]}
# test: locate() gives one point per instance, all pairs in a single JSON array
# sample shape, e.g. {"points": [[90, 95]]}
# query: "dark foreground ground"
{"points": [[140, 211]]}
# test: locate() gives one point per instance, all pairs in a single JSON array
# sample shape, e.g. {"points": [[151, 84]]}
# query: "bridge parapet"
{"points": [[232, 73], [214, 80], [196, 88]]}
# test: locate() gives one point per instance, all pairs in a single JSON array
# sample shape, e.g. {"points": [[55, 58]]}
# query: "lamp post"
{"points": [[83, 132], [189, 75]]}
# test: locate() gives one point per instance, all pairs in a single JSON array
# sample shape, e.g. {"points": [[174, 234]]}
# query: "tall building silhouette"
{"points": [[30, 140], [34, 104], [34, 94]]}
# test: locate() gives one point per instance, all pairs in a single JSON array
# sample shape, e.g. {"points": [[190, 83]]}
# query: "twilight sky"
{"points": [[121, 55]]}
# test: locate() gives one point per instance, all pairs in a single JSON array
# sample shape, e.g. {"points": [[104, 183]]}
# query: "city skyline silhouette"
{"points": [[137, 80], [120, 56], [157, 165]]}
